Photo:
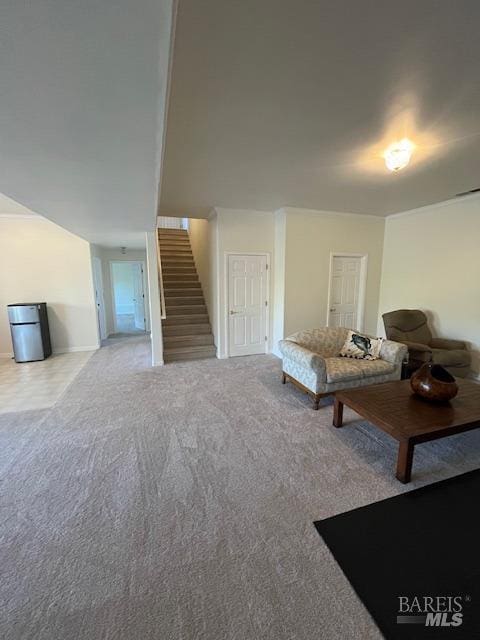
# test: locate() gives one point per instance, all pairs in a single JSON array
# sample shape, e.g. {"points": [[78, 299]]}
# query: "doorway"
{"points": [[247, 298], [346, 291], [128, 293]]}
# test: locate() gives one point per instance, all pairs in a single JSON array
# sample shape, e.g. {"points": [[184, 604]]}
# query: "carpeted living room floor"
{"points": [[177, 503]]}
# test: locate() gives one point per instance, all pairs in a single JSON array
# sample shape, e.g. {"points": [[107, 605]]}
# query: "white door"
{"points": [[345, 284], [247, 304], [138, 296], [99, 300]]}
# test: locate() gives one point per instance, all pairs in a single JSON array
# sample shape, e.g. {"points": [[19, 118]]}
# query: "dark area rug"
{"points": [[414, 560]]}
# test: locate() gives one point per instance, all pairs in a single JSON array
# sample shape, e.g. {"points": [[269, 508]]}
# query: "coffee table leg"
{"points": [[404, 461], [337, 413]]}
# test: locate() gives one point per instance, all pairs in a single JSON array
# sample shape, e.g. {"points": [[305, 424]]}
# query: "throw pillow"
{"points": [[359, 346]]}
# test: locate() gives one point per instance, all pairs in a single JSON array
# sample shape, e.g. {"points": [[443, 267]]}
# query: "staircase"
{"points": [[186, 329]]}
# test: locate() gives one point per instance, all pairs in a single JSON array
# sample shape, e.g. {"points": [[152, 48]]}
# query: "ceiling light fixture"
{"points": [[398, 154]]}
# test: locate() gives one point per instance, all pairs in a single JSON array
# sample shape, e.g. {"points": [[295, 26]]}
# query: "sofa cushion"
{"points": [[451, 358], [339, 369], [326, 341]]}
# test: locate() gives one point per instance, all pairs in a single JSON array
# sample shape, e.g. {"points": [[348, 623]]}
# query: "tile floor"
{"points": [[36, 385]]}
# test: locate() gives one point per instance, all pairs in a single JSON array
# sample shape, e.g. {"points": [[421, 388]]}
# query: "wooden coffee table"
{"points": [[393, 408]]}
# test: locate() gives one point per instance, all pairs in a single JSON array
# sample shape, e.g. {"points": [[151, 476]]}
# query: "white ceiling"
{"points": [[81, 112], [291, 102]]}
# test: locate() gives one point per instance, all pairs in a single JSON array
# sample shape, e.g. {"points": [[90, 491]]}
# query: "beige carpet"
{"points": [[177, 503]]}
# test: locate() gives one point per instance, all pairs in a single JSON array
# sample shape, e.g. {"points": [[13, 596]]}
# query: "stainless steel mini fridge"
{"points": [[30, 332]]}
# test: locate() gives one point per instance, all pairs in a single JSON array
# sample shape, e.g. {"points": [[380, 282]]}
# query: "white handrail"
{"points": [[163, 309], [168, 222]]}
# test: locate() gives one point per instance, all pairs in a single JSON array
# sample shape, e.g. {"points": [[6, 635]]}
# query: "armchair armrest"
{"points": [[393, 352], [304, 357], [419, 351], [443, 343]]}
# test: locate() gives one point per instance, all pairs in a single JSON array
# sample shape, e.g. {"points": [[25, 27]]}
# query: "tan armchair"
{"points": [[410, 327]]}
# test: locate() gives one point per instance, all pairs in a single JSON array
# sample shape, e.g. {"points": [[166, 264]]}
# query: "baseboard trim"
{"points": [[59, 351], [76, 349]]}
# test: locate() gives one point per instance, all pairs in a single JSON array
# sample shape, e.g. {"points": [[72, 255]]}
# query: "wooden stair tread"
{"points": [[188, 311], [193, 301], [179, 245], [189, 286], [180, 278], [200, 340], [198, 347], [186, 318], [176, 255], [183, 291], [186, 329], [201, 348], [181, 267], [174, 246], [187, 334]]}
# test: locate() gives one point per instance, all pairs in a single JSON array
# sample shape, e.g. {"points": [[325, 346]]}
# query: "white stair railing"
{"points": [[163, 308], [166, 222]]}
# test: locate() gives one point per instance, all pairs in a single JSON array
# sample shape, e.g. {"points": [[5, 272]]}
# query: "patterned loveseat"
{"points": [[312, 363]]}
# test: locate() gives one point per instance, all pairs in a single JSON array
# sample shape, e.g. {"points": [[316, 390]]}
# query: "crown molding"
{"points": [[435, 205], [322, 212], [22, 216]]}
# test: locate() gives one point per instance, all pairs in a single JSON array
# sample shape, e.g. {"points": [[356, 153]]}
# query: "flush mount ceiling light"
{"points": [[398, 154]]}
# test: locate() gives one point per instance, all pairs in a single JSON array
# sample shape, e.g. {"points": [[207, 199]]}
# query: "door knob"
{"points": [[233, 312], [332, 309]]}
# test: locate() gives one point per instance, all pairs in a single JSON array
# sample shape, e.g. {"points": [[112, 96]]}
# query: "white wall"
{"points": [[198, 231], [41, 262], [279, 280], [310, 238], [213, 290], [156, 337], [430, 258], [107, 255], [432, 262], [243, 231], [299, 242]]}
